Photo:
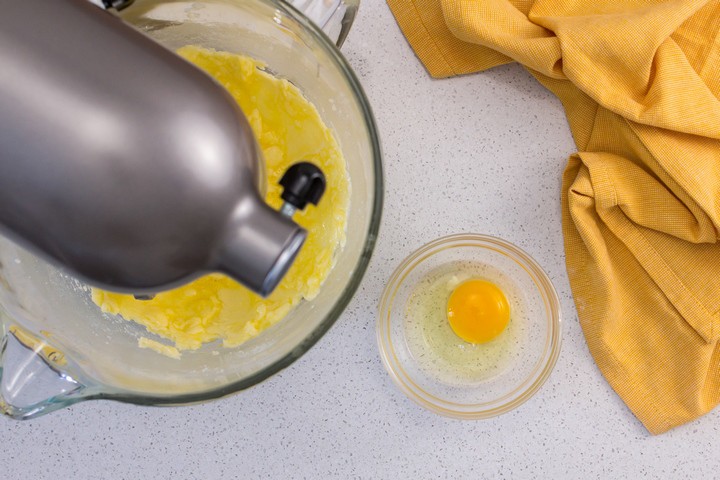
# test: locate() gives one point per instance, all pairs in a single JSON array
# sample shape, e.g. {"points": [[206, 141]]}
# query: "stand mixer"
{"points": [[57, 347], [128, 166]]}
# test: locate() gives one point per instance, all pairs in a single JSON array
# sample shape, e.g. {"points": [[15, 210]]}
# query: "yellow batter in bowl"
{"points": [[289, 129]]}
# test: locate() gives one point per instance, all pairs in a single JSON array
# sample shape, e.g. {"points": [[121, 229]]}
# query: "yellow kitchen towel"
{"points": [[640, 84]]}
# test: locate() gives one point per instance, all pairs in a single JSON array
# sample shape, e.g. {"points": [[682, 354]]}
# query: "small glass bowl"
{"points": [[437, 369]]}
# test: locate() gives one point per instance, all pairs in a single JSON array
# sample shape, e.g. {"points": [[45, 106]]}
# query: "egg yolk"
{"points": [[478, 311]]}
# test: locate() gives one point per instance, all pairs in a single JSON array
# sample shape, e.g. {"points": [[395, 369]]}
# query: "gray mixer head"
{"points": [[125, 164]]}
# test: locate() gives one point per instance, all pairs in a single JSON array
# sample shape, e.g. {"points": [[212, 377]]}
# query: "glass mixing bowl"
{"points": [[436, 368], [59, 349]]}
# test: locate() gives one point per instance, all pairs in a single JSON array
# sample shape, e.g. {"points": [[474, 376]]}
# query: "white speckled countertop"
{"points": [[482, 153]]}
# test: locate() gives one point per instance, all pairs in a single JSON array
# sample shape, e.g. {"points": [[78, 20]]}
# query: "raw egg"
{"points": [[435, 345], [478, 311]]}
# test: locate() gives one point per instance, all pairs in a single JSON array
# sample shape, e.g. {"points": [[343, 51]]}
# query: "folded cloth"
{"points": [[640, 84]]}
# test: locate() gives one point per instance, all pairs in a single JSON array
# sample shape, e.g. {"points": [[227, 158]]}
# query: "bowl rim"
{"points": [[531, 383]]}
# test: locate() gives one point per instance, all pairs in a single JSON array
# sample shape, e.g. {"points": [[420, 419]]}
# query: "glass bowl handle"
{"points": [[35, 378], [334, 17]]}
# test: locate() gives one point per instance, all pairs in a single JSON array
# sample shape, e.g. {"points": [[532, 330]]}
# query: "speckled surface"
{"points": [[482, 153]]}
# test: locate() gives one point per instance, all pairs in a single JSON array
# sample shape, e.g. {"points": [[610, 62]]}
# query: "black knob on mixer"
{"points": [[303, 183], [116, 4]]}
